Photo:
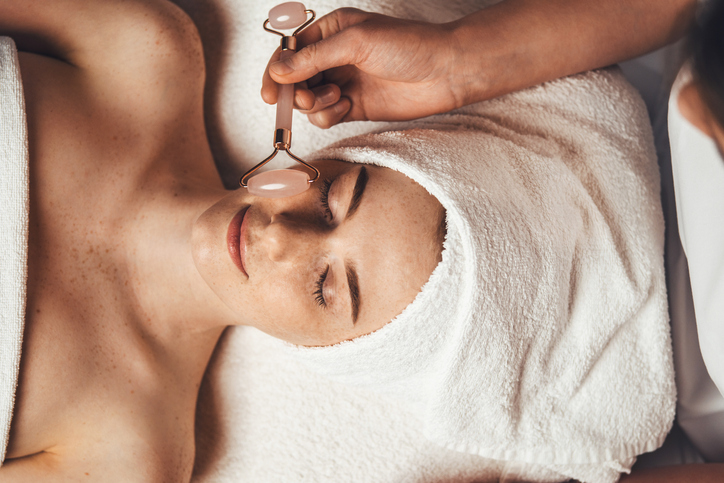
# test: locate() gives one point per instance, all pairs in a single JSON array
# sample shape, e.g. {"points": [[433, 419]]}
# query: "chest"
{"points": [[90, 381], [89, 386], [86, 369]]}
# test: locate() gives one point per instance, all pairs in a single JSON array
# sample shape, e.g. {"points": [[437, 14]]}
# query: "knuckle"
{"points": [[354, 32], [320, 119], [305, 56], [341, 18], [358, 39], [347, 16]]}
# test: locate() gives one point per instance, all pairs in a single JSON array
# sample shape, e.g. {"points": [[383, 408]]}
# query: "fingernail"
{"points": [[282, 67], [326, 96], [342, 106], [302, 105]]}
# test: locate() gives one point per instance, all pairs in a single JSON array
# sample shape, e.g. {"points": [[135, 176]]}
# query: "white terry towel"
{"points": [[542, 337], [13, 230]]}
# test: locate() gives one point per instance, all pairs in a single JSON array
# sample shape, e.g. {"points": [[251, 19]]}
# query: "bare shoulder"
{"points": [[150, 57], [112, 83], [123, 51], [154, 49], [93, 34]]}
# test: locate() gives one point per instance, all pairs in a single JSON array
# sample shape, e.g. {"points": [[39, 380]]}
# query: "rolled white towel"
{"points": [[14, 209], [542, 337]]}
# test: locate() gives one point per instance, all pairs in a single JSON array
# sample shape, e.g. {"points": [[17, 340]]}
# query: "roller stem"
{"points": [[285, 100]]}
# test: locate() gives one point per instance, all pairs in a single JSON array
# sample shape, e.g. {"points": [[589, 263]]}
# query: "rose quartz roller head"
{"points": [[281, 183]]}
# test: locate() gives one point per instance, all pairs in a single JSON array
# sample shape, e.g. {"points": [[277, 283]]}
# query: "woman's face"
{"points": [[335, 262]]}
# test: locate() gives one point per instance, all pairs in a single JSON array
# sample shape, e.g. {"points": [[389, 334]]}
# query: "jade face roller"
{"points": [[280, 183]]}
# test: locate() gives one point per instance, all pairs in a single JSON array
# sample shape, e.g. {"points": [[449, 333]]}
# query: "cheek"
{"points": [[279, 303], [285, 309]]}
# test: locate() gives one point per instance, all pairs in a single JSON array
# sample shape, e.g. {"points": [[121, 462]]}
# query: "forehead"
{"points": [[393, 242]]}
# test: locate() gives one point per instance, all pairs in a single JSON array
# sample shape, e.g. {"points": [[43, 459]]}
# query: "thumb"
{"points": [[335, 49]]}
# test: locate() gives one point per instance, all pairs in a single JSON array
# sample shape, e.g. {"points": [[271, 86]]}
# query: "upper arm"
{"points": [[149, 48], [87, 33]]}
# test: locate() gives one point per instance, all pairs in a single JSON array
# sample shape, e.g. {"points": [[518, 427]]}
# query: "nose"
{"points": [[286, 238]]}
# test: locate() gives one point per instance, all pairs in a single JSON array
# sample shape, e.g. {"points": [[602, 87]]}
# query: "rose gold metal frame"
{"points": [[283, 137], [247, 175]]}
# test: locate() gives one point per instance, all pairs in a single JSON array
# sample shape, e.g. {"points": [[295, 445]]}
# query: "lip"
{"points": [[236, 240]]}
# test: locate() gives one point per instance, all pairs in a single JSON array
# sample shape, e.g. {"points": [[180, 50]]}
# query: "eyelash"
{"points": [[324, 198], [319, 293], [324, 191]]}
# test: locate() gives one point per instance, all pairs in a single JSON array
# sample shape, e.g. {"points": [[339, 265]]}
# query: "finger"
{"points": [[324, 96], [332, 115], [330, 24], [335, 51], [304, 99], [268, 86], [342, 48]]}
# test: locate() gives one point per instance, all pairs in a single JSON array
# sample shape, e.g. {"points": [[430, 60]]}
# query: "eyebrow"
{"points": [[352, 280], [353, 284], [358, 191]]}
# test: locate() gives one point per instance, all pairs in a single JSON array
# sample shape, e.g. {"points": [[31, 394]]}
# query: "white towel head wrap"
{"points": [[542, 336]]}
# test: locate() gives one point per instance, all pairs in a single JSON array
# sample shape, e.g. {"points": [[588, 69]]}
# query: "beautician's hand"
{"points": [[359, 65], [366, 66]]}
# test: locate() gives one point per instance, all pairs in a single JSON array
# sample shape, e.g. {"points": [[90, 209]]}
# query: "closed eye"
{"points": [[324, 198], [319, 292]]}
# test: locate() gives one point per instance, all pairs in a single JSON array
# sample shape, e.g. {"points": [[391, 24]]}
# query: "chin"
{"points": [[204, 247], [208, 242]]}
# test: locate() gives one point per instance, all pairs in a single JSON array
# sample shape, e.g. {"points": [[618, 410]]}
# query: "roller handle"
{"points": [[285, 100]]}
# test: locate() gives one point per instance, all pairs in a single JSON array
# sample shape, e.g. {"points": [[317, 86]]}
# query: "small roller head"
{"points": [[287, 16]]}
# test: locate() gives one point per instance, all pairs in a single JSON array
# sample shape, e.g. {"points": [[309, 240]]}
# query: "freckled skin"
{"points": [[106, 152]]}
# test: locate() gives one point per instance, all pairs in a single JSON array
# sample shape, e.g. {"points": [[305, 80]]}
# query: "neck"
{"points": [[177, 311]]}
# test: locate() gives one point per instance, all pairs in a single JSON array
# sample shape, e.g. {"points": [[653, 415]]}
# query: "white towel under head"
{"points": [[542, 337]]}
